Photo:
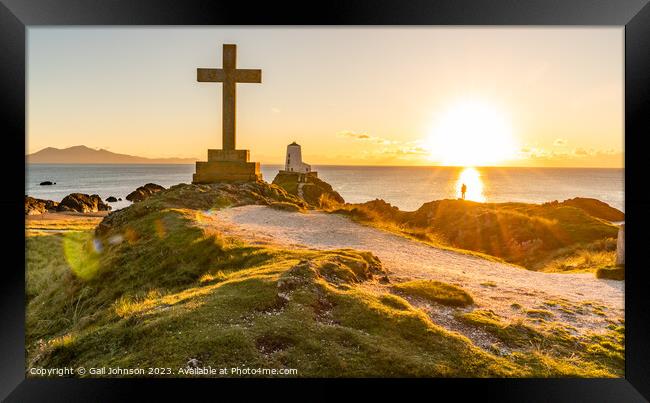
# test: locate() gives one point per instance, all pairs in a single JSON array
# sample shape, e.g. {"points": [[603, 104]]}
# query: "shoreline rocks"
{"points": [[74, 202], [47, 183], [111, 199], [82, 203], [144, 192], [35, 206]]}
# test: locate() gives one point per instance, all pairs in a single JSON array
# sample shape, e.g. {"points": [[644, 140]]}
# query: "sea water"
{"points": [[405, 187]]}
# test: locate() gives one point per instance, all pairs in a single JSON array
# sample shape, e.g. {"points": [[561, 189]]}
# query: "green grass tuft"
{"points": [[285, 206], [435, 291], [539, 314]]}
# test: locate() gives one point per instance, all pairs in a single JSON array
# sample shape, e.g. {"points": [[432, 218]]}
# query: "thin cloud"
{"points": [[609, 151], [575, 154], [363, 136], [582, 152], [384, 150], [412, 151], [353, 135]]}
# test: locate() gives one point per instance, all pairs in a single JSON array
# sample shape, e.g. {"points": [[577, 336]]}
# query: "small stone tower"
{"points": [[294, 163]]}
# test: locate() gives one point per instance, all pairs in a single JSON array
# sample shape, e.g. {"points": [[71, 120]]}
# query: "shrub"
{"points": [[611, 273]]}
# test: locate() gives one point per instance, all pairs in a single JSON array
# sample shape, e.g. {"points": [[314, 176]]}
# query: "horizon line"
{"points": [[335, 165]]}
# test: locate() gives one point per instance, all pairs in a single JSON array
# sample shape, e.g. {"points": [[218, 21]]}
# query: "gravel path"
{"points": [[581, 300]]}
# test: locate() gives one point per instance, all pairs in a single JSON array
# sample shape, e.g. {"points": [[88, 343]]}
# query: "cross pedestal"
{"points": [[228, 164]]}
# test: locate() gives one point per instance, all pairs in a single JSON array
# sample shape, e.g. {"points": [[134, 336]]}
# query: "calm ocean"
{"points": [[405, 187]]}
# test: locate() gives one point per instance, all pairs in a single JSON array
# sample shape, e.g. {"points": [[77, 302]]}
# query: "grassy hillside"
{"points": [[548, 237], [158, 284]]}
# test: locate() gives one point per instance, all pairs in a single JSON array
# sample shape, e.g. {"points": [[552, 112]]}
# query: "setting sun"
{"points": [[472, 133]]}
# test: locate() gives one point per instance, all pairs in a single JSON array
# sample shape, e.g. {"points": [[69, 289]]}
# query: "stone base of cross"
{"points": [[228, 164]]}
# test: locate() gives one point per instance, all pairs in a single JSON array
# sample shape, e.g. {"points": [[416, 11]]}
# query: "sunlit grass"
{"points": [[550, 349], [548, 237], [290, 309], [161, 285], [581, 257], [372, 218], [64, 223]]}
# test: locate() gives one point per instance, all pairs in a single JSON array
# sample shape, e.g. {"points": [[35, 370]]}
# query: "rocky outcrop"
{"points": [[378, 208], [205, 197], [35, 206], [47, 183], [143, 192], [595, 208], [308, 187], [111, 199], [82, 203]]}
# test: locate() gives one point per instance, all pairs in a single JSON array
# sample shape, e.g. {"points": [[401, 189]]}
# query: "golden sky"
{"points": [[516, 96]]}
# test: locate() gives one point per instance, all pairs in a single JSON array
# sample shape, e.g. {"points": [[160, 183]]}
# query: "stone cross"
{"points": [[229, 75]]}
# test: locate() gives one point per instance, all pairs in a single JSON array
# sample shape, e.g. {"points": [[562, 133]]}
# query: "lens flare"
{"points": [[81, 254]]}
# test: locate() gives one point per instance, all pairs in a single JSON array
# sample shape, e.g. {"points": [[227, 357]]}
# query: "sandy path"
{"points": [[493, 285]]}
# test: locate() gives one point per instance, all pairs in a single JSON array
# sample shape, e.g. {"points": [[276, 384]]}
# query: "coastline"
{"points": [[405, 187]]}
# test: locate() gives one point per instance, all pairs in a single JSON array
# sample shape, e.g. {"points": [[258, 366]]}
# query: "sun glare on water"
{"points": [[471, 178], [472, 133]]}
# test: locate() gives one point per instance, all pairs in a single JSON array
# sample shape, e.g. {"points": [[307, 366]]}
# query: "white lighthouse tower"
{"points": [[294, 163]]}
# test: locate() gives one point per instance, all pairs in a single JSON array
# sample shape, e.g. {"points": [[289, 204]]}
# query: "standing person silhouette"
{"points": [[463, 190]]}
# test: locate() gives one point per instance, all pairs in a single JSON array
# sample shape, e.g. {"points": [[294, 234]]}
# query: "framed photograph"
{"points": [[378, 195]]}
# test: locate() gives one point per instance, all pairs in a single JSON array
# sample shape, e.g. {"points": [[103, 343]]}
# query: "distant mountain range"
{"points": [[87, 155]]}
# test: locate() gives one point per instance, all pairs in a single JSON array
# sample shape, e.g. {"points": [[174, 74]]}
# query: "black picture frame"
{"points": [[17, 15]]}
